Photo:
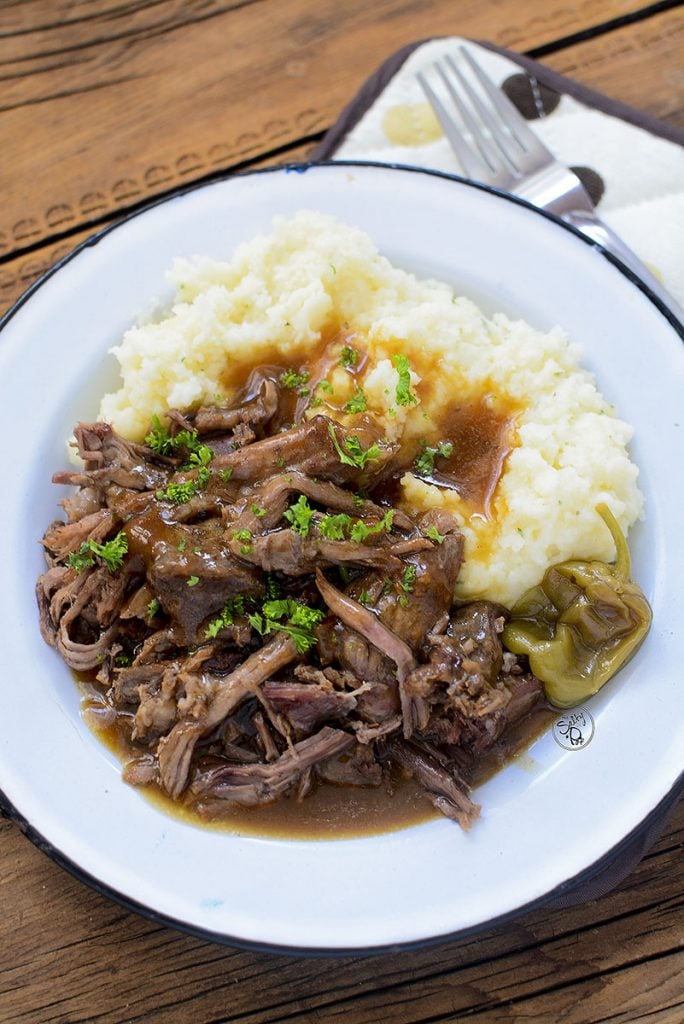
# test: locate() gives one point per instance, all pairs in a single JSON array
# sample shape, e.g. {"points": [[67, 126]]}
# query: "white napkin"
{"points": [[643, 174]]}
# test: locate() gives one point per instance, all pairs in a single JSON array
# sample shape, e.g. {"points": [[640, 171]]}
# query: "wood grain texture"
{"points": [[82, 958], [638, 64], [19, 273], [128, 99], [107, 102], [641, 65]]}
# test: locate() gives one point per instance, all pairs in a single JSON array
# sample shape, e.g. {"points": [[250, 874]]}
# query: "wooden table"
{"points": [[105, 104]]}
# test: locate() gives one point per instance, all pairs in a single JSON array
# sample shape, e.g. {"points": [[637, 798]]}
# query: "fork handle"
{"points": [[593, 228]]}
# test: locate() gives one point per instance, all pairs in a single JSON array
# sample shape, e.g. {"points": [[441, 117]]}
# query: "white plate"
{"points": [[541, 826]]}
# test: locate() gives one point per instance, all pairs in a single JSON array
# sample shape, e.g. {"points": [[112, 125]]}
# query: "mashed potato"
{"points": [[287, 292]]}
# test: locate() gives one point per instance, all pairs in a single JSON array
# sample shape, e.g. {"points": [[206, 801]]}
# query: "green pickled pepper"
{"points": [[581, 624]]}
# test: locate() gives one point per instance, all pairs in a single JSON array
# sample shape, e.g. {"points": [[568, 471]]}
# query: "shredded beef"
{"points": [[249, 652]]}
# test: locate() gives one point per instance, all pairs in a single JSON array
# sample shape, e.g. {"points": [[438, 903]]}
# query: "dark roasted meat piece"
{"points": [[255, 411], [288, 552], [227, 692], [252, 784], [446, 790], [306, 705], [244, 646], [109, 459], [308, 448], [218, 577]]}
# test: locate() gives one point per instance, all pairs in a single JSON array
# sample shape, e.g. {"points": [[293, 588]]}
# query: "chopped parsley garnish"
{"points": [[199, 459], [179, 493], [111, 552], [425, 462], [357, 453], [403, 394], [258, 510], [326, 387], [334, 527], [353, 454], [349, 356], [272, 587], [153, 608], [298, 614], [343, 527], [81, 559], [182, 544], [245, 536], [292, 380], [187, 439], [433, 533], [123, 660], [225, 474], [359, 531], [408, 579], [300, 515], [192, 581], [357, 403], [365, 597], [159, 439], [301, 620], [235, 606]]}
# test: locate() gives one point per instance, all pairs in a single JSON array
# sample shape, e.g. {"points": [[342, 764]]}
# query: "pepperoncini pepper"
{"points": [[581, 624]]}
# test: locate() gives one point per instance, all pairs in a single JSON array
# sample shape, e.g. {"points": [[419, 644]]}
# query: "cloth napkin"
{"points": [[631, 164], [633, 168]]}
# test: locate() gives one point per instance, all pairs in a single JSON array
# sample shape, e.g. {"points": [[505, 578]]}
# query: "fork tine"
{"points": [[471, 163], [503, 140], [509, 114], [478, 136]]}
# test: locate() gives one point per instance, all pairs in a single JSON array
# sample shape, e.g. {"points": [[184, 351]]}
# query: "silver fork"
{"points": [[507, 154]]}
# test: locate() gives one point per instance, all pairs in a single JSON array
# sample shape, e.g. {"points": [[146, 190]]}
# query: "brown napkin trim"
{"points": [[378, 81]]}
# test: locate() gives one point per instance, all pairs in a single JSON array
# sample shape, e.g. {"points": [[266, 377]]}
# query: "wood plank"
{"points": [[621, 64], [65, 939], [69, 955], [647, 992], [640, 64], [97, 115], [19, 273]]}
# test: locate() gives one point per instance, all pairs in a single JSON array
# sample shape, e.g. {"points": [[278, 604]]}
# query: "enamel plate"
{"points": [[553, 815]]}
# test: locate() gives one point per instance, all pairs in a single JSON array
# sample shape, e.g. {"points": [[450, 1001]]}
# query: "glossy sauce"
{"points": [[480, 426], [481, 430], [329, 811]]}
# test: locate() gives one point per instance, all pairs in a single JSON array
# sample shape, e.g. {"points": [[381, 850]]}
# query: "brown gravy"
{"points": [[329, 812], [481, 430], [480, 427], [481, 433]]}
